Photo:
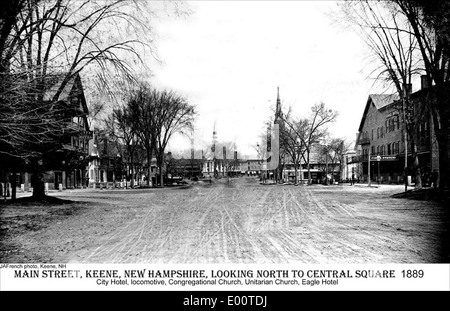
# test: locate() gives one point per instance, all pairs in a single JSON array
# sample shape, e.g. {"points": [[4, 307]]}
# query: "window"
{"points": [[372, 134], [389, 149], [378, 132], [372, 150]]}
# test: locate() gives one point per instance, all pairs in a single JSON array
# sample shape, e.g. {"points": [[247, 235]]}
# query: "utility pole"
{"points": [[378, 160], [368, 167], [213, 149], [326, 165], [405, 137]]}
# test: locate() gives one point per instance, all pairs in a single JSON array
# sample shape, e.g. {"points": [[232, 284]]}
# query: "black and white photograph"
{"points": [[215, 133]]}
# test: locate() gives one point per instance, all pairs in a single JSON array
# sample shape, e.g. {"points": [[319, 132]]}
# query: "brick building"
{"points": [[380, 140]]}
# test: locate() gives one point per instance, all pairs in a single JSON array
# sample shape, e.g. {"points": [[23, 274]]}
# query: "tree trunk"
{"points": [[149, 163], [309, 168], [415, 161], [132, 171], [416, 167], [160, 165], [443, 160], [440, 118], [13, 187], [296, 172], [38, 185]]}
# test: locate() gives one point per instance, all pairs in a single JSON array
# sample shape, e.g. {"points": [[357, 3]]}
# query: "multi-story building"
{"points": [[250, 167], [220, 167], [380, 143], [349, 169], [68, 163]]}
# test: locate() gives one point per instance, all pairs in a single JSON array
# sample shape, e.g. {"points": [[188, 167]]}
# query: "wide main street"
{"points": [[240, 222]]}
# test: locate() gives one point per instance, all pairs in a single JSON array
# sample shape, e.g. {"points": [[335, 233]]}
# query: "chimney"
{"points": [[423, 82]]}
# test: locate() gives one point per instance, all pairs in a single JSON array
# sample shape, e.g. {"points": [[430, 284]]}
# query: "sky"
{"points": [[229, 57]]}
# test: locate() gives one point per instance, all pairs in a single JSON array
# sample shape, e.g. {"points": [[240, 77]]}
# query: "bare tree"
{"points": [[45, 45], [316, 129], [291, 142], [392, 43], [310, 130], [331, 152], [156, 116], [141, 105], [429, 23], [120, 128], [172, 114]]}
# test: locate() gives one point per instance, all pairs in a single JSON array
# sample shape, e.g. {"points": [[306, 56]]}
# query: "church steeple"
{"points": [[278, 108]]}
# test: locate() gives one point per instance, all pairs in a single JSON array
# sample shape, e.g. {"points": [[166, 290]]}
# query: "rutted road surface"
{"points": [[244, 222]]}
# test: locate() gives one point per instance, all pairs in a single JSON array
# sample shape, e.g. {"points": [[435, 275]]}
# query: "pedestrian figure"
{"points": [[434, 178], [353, 179]]}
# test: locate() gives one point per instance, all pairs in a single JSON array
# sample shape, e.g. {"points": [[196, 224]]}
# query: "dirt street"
{"points": [[241, 222]]}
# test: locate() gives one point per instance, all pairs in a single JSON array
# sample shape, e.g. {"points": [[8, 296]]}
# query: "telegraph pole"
{"points": [[213, 149], [405, 138], [368, 167]]}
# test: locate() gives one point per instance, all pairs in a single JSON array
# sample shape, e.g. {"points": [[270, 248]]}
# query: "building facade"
{"points": [[381, 148], [68, 163]]}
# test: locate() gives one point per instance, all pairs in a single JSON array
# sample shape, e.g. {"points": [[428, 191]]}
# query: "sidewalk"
{"points": [[24, 194], [375, 185]]}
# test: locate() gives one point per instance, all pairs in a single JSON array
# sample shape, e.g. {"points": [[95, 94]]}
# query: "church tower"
{"points": [[278, 119]]}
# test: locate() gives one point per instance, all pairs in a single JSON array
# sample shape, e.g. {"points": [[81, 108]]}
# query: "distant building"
{"points": [[185, 168], [105, 161], [109, 163], [319, 166], [349, 169]]}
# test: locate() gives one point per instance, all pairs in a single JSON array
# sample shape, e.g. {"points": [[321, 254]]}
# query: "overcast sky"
{"points": [[228, 57]]}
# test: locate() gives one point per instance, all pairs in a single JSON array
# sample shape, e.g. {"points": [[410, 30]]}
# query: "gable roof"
{"points": [[382, 100], [379, 101], [73, 88]]}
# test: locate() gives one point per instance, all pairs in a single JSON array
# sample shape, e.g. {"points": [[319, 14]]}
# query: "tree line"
{"points": [[44, 46], [147, 121]]}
